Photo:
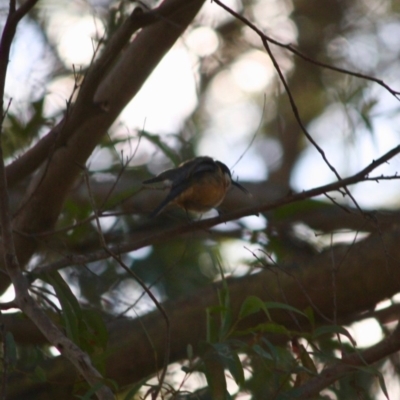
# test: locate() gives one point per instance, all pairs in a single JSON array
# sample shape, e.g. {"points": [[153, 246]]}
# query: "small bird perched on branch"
{"points": [[199, 185]]}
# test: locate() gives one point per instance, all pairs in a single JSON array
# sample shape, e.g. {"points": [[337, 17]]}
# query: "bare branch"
{"points": [[26, 303], [165, 234], [10, 27], [144, 287], [360, 284], [86, 107], [89, 123], [292, 49], [292, 101]]}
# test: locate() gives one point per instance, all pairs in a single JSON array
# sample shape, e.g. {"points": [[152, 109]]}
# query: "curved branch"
{"points": [[166, 233], [292, 49], [10, 27], [360, 282], [85, 127], [85, 107]]}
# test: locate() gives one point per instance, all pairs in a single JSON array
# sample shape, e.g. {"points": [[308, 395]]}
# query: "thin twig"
{"points": [[142, 284], [209, 223], [10, 27], [35, 156], [300, 122], [22, 297], [265, 39], [292, 49]]}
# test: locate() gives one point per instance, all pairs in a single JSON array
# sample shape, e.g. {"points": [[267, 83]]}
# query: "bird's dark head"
{"points": [[228, 177]]}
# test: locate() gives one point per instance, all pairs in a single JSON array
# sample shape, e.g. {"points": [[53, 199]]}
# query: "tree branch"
{"points": [[85, 129], [10, 27], [167, 233], [292, 49], [85, 108], [347, 364], [22, 298], [361, 282]]}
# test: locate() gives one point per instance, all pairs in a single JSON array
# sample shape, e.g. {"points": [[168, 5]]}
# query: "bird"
{"points": [[199, 185]]}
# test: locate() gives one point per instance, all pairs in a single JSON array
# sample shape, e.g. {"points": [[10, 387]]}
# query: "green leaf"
{"points": [[131, 394], [267, 327], [306, 360], [382, 384], [212, 324], [168, 151], [282, 306], [72, 313], [225, 312], [365, 113], [86, 328], [333, 330], [215, 374], [10, 349], [309, 313], [262, 353], [272, 349], [272, 327], [231, 361], [39, 374], [252, 305], [96, 329]]}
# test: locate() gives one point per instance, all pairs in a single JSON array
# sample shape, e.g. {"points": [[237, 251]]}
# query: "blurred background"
{"points": [[216, 93]]}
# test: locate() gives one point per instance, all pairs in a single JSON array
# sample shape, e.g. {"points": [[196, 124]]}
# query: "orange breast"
{"points": [[202, 196]]}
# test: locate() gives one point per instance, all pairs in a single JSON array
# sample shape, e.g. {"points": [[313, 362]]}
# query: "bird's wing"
{"points": [[172, 195], [182, 178], [166, 175], [194, 168], [178, 175]]}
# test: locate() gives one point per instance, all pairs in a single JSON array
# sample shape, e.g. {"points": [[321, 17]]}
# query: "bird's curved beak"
{"points": [[239, 186]]}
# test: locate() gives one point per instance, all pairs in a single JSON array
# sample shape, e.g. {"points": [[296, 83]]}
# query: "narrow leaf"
{"points": [[231, 361], [252, 305], [215, 375], [333, 330]]}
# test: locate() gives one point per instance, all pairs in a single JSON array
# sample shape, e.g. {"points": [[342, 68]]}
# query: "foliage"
{"points": [[262, 300]]}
